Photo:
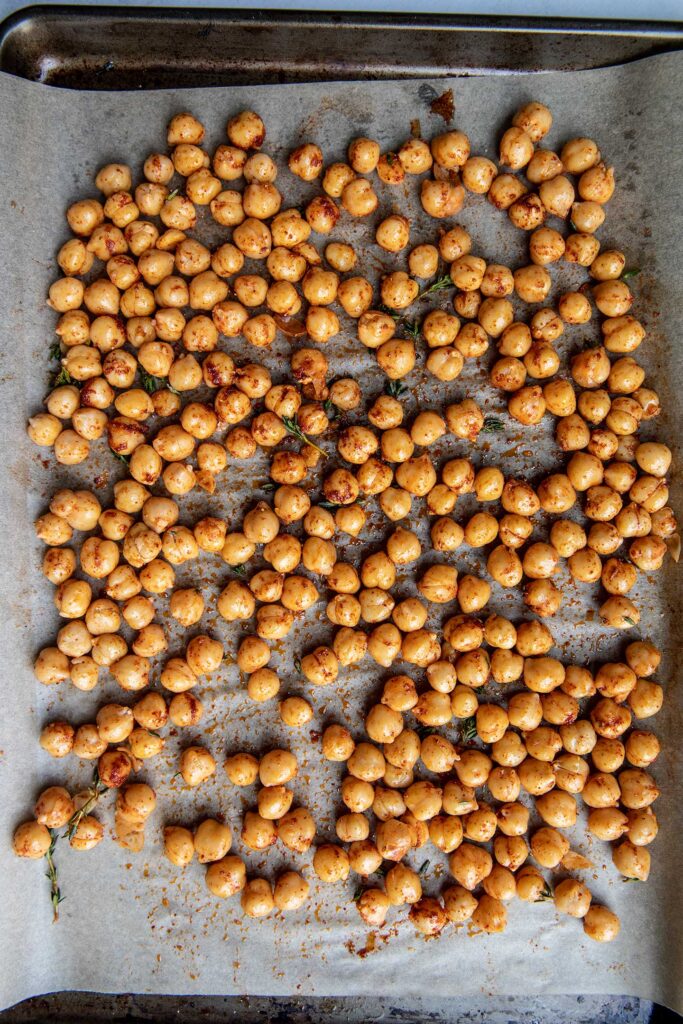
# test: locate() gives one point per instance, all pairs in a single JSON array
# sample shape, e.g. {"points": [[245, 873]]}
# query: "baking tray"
{"points": [[107, 48], [139, 48]]}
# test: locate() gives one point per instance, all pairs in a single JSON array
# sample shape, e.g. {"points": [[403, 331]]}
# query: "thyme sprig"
{"points": [[51, 873], [468, 729], [94, 791], [436, 286], [293, 428], [55, 351]]}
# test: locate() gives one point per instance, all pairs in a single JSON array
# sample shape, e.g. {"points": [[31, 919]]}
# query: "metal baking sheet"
{"points": [[109, 47], [33, 325]]}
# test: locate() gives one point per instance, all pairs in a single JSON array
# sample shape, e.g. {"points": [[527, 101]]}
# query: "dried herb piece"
{"points": [[629, 620], [239, 570], [268, 486], [172, 195], [357, 894], [629, 878], [329, 505], [51, 873], [395, 389], [629, 273], [63, 377], [55, 352], [153, 384], [297, 665], [293, 428], [444, 106], [492, 425], [416, 128], [545, 894], [125, 459], [423, 867]]}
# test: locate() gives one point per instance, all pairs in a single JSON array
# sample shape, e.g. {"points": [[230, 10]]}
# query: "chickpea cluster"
{"points": [[146, 316], [536, 746]]}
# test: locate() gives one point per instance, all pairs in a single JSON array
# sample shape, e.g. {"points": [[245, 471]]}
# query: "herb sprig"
{"points": [[293, 428], [436, 286], [468, 729], [51, 873]]}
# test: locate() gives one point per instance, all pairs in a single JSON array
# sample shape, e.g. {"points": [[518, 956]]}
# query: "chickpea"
{"points": [[257, 898], [358, 198], [601, 924], [527, 212], [331, 863], [441, 198], [196, 765], [31, 839], [642, 827]]}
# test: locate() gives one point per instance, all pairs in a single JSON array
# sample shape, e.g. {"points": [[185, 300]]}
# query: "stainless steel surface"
{"points": [[110, 47], [82, 1007]]}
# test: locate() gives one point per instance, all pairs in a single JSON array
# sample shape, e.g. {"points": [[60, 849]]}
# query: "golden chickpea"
{"points": [[358, 198], [31, 839], [56, 738], [196, 765], [642, 827], [257, 898], [477, 173], [442, 198], [601, 924]]}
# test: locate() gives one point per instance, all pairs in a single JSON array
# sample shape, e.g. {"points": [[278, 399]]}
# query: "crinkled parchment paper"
{"points": [[135, 922]]}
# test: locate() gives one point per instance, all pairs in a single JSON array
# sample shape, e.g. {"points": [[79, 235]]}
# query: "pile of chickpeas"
{"points": [[144, 310]]}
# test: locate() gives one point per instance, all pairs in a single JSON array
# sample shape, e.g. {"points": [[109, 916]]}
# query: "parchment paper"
{"points": [[136, 923]]}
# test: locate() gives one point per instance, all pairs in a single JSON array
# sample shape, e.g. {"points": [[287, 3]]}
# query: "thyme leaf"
{"points": [[329, 505], [172, 195], [125, 459], [293, 428], [55, 352], [357, 894], [545, 894], [297, 665], [152, 384], [239, 570], [395, 389], [629, 273], [492, 425], [628, 619], [630, 878], [63, 377], [423, 867]]}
